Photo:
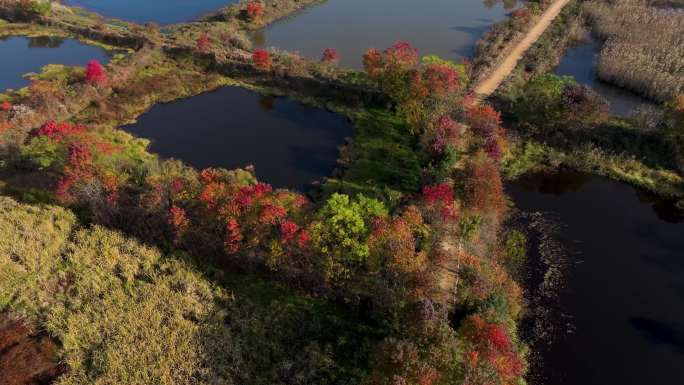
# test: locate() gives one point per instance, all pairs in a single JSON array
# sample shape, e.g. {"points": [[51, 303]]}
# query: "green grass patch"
{"points": [[531, 155], [382, 162]]}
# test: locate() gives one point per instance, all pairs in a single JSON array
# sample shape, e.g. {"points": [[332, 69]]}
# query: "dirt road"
{"points": [[490, 84]]}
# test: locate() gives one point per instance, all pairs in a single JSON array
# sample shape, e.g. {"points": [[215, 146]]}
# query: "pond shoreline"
{"points": [[571, 318]]}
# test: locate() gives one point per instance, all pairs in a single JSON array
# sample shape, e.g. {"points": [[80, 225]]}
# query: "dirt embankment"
{"points": [[27, 357], [501, 72]]}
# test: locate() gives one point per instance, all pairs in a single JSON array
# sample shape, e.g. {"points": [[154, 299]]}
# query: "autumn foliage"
{"points": [[485, 122], [521, 17], [59, 131], [377, 252], [255, 9], [395, 246], [425, 352], [330, 56], [440, 79], [261, 59], [95, 74], [203, 44], [444, 132], [492, 357], [439, 201], [483, 187]]}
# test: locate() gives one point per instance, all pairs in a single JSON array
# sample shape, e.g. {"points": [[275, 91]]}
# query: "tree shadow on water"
{"points": [[659, 332]]}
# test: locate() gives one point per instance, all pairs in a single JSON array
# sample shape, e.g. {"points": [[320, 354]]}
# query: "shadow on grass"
{"points": [[381, 162]]}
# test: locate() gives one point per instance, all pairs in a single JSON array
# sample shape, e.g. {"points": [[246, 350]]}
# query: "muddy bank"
{"points": [[27, 357]]}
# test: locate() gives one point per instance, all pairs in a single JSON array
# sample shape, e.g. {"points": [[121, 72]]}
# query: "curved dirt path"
{"points": [[501, 72]]}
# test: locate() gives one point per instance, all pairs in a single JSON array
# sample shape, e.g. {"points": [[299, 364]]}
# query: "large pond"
{"points": [[622, 303], [448, 28], [157, 11], [290, 144], [21, 55], [579, 63]]}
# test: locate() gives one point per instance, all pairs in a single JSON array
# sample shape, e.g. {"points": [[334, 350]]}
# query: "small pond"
{"points": [[21, 55], [157, 11], [622, 304], [290, 144], [448, 28], [579, 63]]}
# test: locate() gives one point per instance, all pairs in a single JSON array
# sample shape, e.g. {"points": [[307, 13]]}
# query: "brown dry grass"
{"points": [[643, 49]]}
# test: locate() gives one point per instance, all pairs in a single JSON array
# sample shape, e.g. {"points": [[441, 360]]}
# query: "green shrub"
{"points": [[515, 250], [44, 152], [549, 102], [341, 232], [41, 7]]}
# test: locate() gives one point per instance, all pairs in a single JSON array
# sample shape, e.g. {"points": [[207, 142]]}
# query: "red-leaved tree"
{"points": [[445, 131], [492, 357], [330, 56], [439, 201], [95, 74], [441, 79], [203, 45], [262, 59], [179, 222], [484, 120], [483, 187], [59, 131], [255, 9]]}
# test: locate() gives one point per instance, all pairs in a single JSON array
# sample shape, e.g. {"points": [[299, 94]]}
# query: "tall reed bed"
{"points": [[644, 46]]}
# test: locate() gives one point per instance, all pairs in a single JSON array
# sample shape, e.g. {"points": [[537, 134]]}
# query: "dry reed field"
{"points": [[644, 46]]}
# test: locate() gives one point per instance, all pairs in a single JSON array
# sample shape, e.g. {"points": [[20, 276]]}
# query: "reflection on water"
{"points": [[45, 42], [158, 11], [21, 55], [507, 4], [661, 333], [624, 297], [446, 28], [557, 183], [291, 145], [266, 102], [578, 62]]}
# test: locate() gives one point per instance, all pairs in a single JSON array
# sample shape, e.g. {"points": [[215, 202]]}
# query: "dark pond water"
{"points": [[579, 63], [21, 55], [158, 11], [623, 299], [448, 28], [291, 145]]}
